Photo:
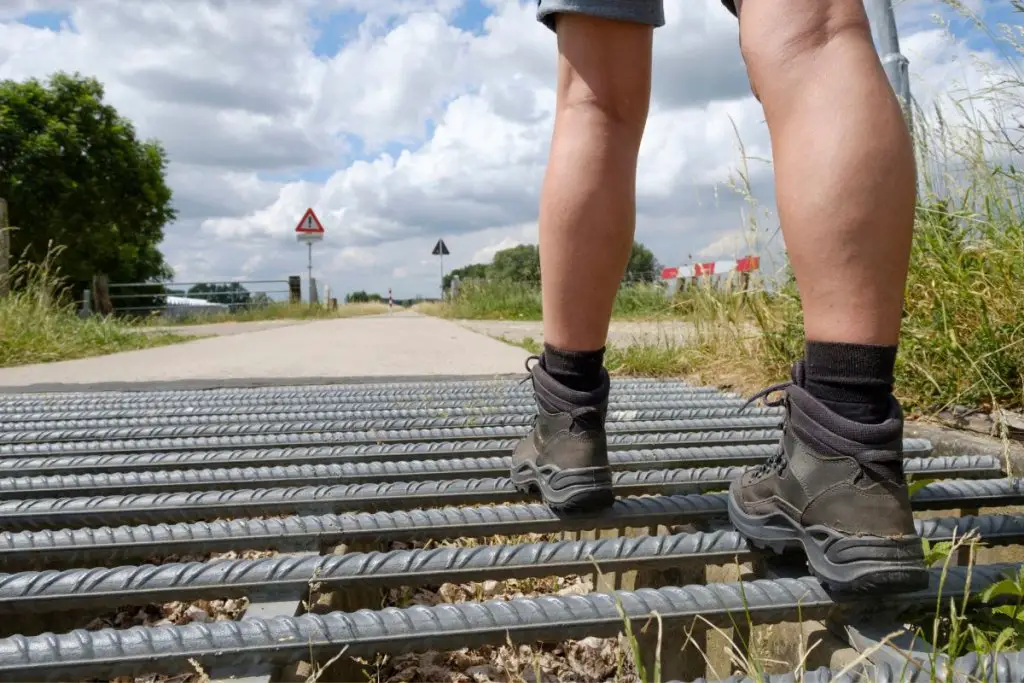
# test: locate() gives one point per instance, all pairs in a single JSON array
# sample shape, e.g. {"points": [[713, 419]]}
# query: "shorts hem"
{"points": [[647, 13]]}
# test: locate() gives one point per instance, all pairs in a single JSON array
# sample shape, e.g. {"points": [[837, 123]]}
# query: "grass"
{"points": [[38, 326], [505, 300], [274, 311]]}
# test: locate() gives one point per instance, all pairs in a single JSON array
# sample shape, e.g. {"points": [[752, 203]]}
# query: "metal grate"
{"points": [[92, 485]]}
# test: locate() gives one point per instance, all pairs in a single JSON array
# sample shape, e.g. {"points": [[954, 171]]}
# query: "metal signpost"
{"points": [[441, 249], [309, 230]]}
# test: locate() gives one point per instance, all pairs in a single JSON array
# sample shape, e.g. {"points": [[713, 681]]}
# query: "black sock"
{"points": [[854, 380], [577, 370]]}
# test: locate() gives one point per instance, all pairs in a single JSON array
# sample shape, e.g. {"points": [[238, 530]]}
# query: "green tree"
{"points": [[231, 293], [75, 175], [519, 264], [642, 266], [474, 271]]}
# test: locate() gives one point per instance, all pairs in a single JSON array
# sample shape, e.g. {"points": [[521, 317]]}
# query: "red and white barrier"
{"points": [[747, 264]]}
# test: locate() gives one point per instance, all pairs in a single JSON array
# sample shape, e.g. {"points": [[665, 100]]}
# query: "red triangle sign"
{"points": [[309, 223]]}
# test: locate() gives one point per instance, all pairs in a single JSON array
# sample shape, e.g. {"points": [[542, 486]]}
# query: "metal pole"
{"points": [[310, 270], [896, 65], [442, 276]]}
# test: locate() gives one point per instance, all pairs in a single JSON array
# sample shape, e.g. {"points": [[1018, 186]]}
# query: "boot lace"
{"points": [[777, 462]]}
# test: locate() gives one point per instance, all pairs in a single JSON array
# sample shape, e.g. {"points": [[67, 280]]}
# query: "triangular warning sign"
{"points": [[309, 223], [440, 249]]}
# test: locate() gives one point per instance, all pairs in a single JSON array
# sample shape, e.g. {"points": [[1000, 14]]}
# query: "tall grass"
{"points": [[963, 325], [507, 300], [494, 300], [38, 323]]}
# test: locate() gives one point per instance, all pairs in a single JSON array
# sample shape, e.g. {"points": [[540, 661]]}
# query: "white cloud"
{"points": [[412, 130], [486, 254]]}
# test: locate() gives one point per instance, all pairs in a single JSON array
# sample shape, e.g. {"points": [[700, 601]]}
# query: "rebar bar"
{"points": [[289, 575], [625, 449], [385, 459], [250, 643], [320, 396], [617, 404], [357, 387], [84, 546], [974, 467], [46, 513], [402, 441], [366, 419], [373, 431]]}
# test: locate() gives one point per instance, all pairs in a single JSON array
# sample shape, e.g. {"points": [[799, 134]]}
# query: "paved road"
{"points": [[621, 333], [223, 329], [401, 345]]}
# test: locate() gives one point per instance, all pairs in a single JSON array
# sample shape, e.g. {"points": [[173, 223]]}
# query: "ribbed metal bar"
{"points": [[623, 452], [85, 546], [407, 442], [85, 588], [49, 513], [388, 456], [366, 419], [253, 643], [508, 383], [964, 467], [373, 431], [314, 397], [619, 407]]}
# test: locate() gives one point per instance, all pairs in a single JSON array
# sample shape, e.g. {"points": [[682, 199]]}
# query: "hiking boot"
{"points": [[836, 488], [565, 455]]}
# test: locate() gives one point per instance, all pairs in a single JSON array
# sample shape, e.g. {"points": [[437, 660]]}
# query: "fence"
{"points": [[329, 477], [177, 300]]}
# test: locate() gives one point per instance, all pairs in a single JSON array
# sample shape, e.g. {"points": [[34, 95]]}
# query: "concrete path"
{"points": [[621, 332], [222, 329], [402, 345]]}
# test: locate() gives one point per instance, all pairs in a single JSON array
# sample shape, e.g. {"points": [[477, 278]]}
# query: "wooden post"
{"points": [[294, 289], [101, 295], [5, 250]]}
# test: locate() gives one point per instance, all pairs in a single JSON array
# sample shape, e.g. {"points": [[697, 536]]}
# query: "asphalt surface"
{"points": [[620, 333], [401, 345]]}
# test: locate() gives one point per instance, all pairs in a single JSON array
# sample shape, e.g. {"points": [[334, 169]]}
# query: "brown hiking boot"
{"points": [[565, 455], [836, 488]]}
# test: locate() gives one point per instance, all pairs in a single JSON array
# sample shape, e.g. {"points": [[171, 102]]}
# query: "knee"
{"points": [[605, 72], [614, 108], [782, 40]]}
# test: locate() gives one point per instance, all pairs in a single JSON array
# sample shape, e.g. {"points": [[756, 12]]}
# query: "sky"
{"points": [[404, 121]]}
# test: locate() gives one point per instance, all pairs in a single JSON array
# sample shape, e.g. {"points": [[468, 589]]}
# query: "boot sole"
{"points": [[583, 489], [778, 532]]}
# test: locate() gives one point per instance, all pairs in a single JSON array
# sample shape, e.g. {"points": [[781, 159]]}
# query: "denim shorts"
{"points": [[650, 12]]}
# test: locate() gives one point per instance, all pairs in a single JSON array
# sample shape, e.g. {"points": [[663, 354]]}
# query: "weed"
{"points": [[39, 324]]}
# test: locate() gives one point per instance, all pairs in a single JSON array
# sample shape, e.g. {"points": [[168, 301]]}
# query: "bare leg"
{"points": [[587, 217], [844, 173], [844, 164], [588, 202]]}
